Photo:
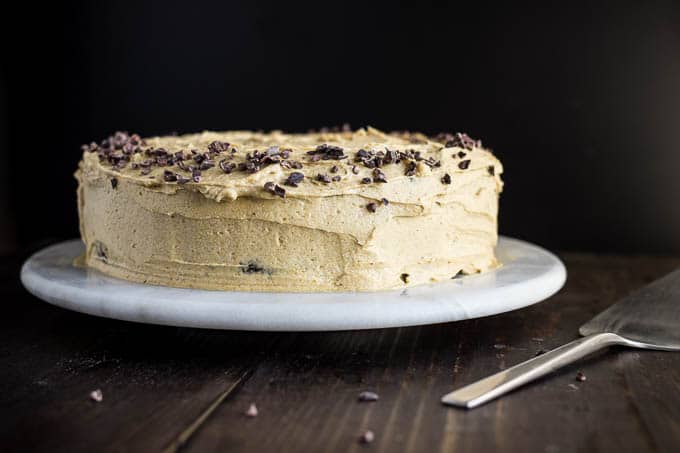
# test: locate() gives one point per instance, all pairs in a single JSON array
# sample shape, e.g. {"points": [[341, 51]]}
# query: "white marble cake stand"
{"points": [[529, 274]]}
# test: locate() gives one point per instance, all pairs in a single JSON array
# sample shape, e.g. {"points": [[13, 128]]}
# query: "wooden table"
{"points": [[159, 383]]}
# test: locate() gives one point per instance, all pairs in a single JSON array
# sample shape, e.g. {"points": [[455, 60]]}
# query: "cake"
{"points": [[333, 210]]}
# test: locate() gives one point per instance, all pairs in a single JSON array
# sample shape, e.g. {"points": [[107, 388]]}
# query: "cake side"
{"points": [[426, 215]]}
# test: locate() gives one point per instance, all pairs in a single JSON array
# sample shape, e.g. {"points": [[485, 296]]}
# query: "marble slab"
{"points": [[529, 275]]}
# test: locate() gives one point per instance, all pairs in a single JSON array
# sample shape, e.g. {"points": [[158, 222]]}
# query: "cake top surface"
{"points": [[228, 165]]}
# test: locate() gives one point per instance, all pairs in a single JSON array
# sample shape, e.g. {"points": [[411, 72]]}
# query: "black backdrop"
{"points": [[581, 103]]}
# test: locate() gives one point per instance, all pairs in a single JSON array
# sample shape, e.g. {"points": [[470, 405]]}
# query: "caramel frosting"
{"points": [[326, 211]]}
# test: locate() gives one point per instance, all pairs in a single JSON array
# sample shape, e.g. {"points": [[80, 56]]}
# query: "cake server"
{"points": [[648, 319]]}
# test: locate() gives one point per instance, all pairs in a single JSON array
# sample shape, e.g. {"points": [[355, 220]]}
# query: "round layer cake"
{"points": [[323, 211]]}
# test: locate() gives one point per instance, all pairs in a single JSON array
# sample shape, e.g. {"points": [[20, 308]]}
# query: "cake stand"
{"points": [[529, 274]]}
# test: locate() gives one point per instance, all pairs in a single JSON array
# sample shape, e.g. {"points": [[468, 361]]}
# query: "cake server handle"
{"points": [[500, 383]]}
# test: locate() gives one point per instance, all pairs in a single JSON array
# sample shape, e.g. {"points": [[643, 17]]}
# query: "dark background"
{"points": [[580, 102]]}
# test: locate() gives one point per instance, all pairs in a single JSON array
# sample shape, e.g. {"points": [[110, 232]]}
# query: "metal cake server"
{"points": [[649, 319]]}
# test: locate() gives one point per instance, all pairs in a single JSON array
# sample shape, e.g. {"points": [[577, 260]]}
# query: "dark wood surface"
{"points": [[159, 383]]}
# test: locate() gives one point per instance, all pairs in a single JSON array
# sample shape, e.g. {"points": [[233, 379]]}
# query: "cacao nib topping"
{"points": [[100, 250], [226, 166], [182, 179], [391, 157], [384, 201], [378, 175], [162, 161], [120, 139], [92, 147], [199, 158], [431, 162], [158, 152], [275, 189], [169, 176], [404, 277], [294, 179], [129, 148], [162, 158], [370, 159], [361, 155], [291, 164], [372, 207], [206, 164], [217, 147], [258, 160], [410, 169], [251, 267], [327, 152], [116, 149], [249, 166], [375, 160], [491, 169], [323, 178], [460, 140]]}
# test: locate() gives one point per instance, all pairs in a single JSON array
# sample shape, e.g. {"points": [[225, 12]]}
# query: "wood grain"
{"points": [[187, 389]]}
